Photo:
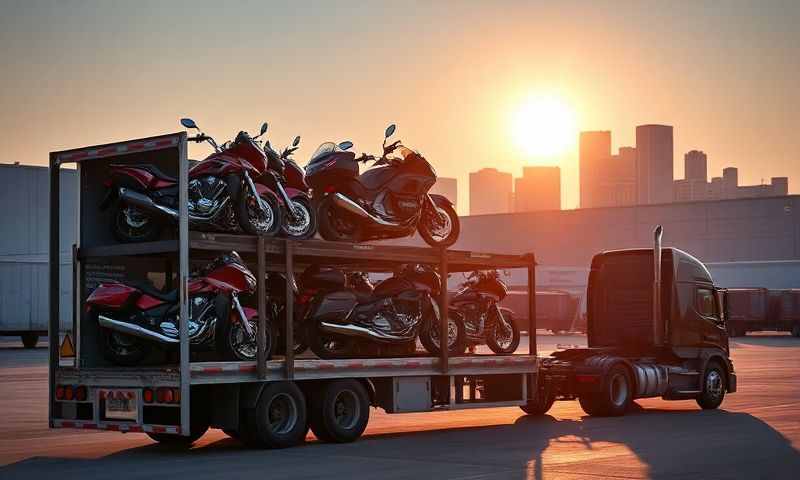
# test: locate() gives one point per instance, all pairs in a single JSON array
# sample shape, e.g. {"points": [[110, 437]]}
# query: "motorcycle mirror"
{"points": [[296, 141], [390, 130], [188, 123], [263, 128], [346, 145]]}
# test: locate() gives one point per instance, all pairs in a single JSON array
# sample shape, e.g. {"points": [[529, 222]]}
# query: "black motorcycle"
{"points": [[484, 320], [390, 200], [347, 316]]}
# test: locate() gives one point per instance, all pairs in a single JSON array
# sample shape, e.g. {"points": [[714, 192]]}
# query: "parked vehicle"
{"points": [[396, 311], [478, 302], [222, 194], [389, 200], [746, 310], [287, 178], [134, 317]]}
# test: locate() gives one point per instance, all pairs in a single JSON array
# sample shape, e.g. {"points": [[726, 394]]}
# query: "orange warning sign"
{"points": [[67, 350]]}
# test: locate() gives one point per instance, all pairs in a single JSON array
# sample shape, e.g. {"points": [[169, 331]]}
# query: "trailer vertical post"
{"points": [[261, 332], [444, 305], [289, 310], [183, 284], [532, 306], [53, 324]]}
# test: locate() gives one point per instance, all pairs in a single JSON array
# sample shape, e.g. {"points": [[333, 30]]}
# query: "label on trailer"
{"points": [[121, 404]]}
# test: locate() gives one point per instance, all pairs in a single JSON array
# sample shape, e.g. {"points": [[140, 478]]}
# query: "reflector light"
{"points": [[177, 396], [59, 392], [147, 395], [102, 395], [160, 396], [80, 393], [68, 392], [169, 396]]}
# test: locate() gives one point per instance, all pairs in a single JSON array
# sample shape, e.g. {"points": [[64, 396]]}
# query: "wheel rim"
{"points": [[244, 347], [346, 409], [619, 389], [440, 232], [261, 220], [714, 383], [452, 334], [503, 334], [282, 414], [302, 222], [132, 222]]}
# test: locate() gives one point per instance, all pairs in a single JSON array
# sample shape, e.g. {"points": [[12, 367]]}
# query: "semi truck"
{"points": [[638, 346]]}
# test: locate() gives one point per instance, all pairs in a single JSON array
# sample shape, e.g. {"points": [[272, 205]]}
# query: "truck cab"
{"points": [[655, 328]]}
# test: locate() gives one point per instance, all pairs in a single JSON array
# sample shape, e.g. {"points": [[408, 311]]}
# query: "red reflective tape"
{"points": [[356, 365], [106, 151], [135, 428], [212, 370], [414, 364], [383, 365], [167, 141], [90, 426], [326, 366], [247, 368], [158, 429], [136, 146], [113, 427], [68, 424]]}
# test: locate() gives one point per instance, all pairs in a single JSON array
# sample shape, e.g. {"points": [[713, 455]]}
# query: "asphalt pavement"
{"points": [[755, 434]]}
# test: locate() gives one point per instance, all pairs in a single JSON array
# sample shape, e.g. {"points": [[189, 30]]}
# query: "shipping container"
{"points": [[784, 311], [747, 310]]}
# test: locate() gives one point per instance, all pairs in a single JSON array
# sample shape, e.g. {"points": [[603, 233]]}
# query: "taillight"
{"points": [[59, 392], [168, 395], [147, 395], [69, 393], [80, 393]]}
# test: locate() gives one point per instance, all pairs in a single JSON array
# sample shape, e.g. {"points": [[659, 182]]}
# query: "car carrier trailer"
{"points": [[656, 328], [269, 402]]}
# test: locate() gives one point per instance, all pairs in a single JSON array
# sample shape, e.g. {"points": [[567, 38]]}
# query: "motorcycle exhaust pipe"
{"points": [[135, 330], [145, 203], [356, 331], [355, 209]]}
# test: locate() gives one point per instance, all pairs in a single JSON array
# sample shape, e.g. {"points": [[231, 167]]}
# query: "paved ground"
{"points": [[755, 435]]}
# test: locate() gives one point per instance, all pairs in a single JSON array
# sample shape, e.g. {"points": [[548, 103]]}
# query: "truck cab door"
{"points": [[710, 315]]}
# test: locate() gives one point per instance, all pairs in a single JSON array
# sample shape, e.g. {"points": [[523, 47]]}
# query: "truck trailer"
{"points": [[638, 346]]}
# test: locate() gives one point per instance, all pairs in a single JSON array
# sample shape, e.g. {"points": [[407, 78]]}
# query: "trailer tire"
{"points": [[279, 419], [29, 340], [615, 397], [339, 411], [714, 386], [541, 404]]}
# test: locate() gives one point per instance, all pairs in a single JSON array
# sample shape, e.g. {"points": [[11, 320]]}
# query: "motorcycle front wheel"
{"points": [[304, 225], [131, 225], [256, 221], [503, 337], [439, 228], [456, 337]]}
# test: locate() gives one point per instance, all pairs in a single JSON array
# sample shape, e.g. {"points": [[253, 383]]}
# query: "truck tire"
{"points": [[279, 419], [29, 340], [713, 388], [614, 399], [339, 411]]}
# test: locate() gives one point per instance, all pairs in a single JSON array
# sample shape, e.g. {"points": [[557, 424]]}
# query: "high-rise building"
{"points": [[539, 188], [489, 191], [447, 187], [695, 165], [730, 182], [595, 149], [654, 160]]}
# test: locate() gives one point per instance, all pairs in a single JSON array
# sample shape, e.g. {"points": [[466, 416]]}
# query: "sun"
{"points": [[544, 126]]}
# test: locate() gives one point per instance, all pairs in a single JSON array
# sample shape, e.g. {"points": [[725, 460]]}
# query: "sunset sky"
{"points": [[452, 75]]}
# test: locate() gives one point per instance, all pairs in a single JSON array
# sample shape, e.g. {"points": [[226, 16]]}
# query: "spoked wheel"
{"points": [[279, 419], [339, 411], [333, 226], [329, 345], [714, 387], [236, 345], [504, 336], [304, 223], [439, 228], [456, 336], [254, 220], [133, 225], [122, 349]]}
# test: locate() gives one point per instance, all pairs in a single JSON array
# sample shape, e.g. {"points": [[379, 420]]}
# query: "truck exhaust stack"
{"points": [[657, 233]]}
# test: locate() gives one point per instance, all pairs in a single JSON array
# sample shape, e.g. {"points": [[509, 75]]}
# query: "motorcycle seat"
{"points": [[149, 289], [158, 173]]}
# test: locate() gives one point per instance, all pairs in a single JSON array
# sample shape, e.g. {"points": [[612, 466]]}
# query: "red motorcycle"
{"points": [[222, 193], [299, 218], [135, 316]]}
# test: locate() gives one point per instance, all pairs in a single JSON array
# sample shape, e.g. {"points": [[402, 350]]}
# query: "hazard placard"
{"points": [[67, 350]]}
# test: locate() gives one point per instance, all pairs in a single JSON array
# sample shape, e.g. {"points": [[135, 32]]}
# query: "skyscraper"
{"points": [[654, 164], [489, 191], [595, 148], [539, 188], [695, 165]]}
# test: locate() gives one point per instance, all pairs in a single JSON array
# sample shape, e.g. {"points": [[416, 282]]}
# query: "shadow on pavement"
{"points": [[658, 444]]}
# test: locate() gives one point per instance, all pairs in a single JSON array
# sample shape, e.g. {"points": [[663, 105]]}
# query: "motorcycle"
{"points": [[287, 178], [396, 311], [484, 320], [135, 316], [389, 200], [222, 194]]}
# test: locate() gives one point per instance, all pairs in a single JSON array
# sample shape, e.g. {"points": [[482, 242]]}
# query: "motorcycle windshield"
{"points": [[324, 150]]}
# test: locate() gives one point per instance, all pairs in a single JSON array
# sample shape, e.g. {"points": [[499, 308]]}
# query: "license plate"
{"points": [[121, 404]]}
